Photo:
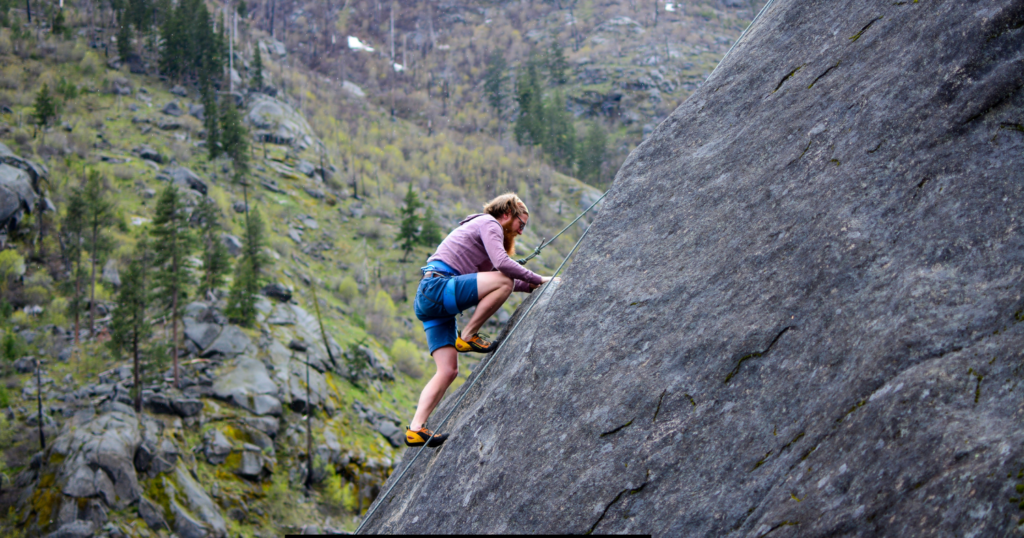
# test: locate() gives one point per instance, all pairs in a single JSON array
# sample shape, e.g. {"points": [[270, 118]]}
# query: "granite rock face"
{"points": [[797, 313]]}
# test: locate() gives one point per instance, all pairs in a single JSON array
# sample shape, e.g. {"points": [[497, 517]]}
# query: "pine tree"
{"points": [[172, 273], [216, 261], [45, 107], [99, 215], [140, 14], [234, 138], [73, 229], [593, 154], [409, 229], [560, 139], [495, 81], [529, 127], [128, 322], [211, 117], [57, 28], [558, 67], [430, 232], [256, 82], [248, 274], [124, 39]]}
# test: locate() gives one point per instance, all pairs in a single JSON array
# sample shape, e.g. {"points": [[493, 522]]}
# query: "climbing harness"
{"points": [[740, 38], [536, 251], [478, 374]]}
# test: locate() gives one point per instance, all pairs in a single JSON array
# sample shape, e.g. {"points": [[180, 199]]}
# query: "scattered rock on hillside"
{"points": [[247, 384], [172, 108], [233, 244], [278, 292], [274, 121], [216, 446], [179, 90], [238, 207], [183, 177], [229, 342], [148, 153], [110, 273], [197, 111], [195, 515], [202, 334], [168, 125]]}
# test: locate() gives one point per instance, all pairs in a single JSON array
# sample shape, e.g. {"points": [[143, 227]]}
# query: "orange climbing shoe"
{"points": [[476, 344], [423, 435]]}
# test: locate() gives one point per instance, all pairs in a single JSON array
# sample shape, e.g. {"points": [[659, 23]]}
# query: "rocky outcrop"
{"points": [[275, 121], [798, 313], [19, 181]]}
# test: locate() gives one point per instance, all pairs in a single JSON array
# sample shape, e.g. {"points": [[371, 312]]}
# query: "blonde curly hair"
{"points": [[506, 204]]}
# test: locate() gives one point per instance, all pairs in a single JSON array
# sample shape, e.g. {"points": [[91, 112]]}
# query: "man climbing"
{"points": [[473, 266]]}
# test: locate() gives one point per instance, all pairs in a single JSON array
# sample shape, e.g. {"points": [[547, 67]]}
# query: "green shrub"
{"points": [[407, 358], [348, 289]]}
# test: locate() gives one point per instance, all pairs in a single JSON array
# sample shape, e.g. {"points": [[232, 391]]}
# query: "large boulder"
{"points": [[230, 341], [187, 179], [248, 385], [97, 459], [798, 313], [17, 196], [275, 121]]}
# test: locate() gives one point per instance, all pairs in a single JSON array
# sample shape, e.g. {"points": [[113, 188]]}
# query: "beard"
{"points": [[511, 230]]}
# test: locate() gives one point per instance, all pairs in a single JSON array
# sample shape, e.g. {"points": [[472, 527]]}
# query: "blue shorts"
{"points": [[439, 318]]}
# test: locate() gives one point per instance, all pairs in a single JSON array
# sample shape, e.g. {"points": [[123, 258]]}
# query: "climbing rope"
{"points": [[740, 38], [536, 251], [479, 373]]}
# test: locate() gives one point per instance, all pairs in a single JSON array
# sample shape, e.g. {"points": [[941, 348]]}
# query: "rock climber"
{"points": [[472, 266]]}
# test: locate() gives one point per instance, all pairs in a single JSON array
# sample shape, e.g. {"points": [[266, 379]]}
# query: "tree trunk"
{"points": [[174, 328], [28, 8], [78, 299], [39, 403], [309, 432], [138, 381], [92, 293]]}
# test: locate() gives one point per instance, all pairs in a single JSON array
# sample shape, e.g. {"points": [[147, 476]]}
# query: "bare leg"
{"points": [[493, 289], [447, 370]]}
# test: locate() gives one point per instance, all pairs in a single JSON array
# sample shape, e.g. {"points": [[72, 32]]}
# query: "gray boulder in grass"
{"points": [[797, 314]]}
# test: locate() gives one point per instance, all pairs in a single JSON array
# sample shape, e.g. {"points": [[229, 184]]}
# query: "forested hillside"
{"points": [[214, 217]]}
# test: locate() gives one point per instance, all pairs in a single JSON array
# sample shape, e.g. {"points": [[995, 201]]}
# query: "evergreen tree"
{"points": [[248, 274], [211, 117], [529, 127], [409, 229], [99, 215], [172, 273], [234, 138], [558, 67], [140, 14], [560, 139], [189, 42], [256, 82], [73, 230], [124, 39], [45, 107], [593, 154], [495, 81], [430, 232], [57, 27], [128, 326], [216, 261]]}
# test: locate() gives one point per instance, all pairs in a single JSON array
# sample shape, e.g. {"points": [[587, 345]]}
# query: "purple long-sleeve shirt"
{"points": [[478, 246]]}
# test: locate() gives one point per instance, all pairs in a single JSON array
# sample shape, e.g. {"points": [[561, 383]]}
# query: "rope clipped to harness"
{"points": [[476, 376], [536, 251]]}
